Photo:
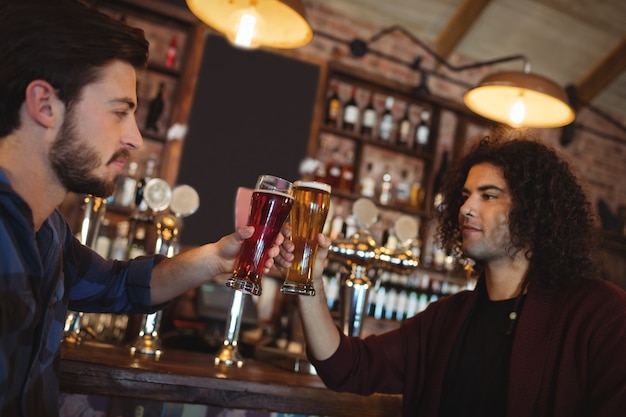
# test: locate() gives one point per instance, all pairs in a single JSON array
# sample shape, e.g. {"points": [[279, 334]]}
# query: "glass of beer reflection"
{"points": [[271, 201], [307, 217]]}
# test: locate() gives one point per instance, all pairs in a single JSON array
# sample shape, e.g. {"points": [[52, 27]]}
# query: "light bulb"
{"points": [[518, 111], [246, 25]]}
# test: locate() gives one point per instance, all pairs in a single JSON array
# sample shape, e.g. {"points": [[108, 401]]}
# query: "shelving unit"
{"points": [[450, 124]]}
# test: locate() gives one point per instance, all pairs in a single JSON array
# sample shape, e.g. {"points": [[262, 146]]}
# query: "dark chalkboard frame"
{"points": [[254, 112]]}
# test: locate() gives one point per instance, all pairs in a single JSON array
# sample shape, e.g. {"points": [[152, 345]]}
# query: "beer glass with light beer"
{"points": [[271, 201], [307, 217]]}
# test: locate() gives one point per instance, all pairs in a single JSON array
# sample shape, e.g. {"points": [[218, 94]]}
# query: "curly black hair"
{"points": [[550, 215]]}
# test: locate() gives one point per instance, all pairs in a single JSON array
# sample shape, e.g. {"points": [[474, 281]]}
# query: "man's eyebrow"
{"points": [[126, 100], [487, 187]]}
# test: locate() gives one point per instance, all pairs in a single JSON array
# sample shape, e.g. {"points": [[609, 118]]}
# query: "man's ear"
{"points": [[42, 103]]}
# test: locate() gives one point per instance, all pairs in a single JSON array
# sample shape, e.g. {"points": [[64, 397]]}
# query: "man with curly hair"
{"points": [[540, 335]]}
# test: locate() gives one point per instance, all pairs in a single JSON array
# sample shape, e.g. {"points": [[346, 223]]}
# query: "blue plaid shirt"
{"points": [[41, 275]]}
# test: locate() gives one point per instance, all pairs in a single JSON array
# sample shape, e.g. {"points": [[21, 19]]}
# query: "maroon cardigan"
{"points": [[568, 359]]}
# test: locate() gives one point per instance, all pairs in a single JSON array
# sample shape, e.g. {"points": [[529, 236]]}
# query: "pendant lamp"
{"points": [[520, 99], [277, 24], [515, 98]]}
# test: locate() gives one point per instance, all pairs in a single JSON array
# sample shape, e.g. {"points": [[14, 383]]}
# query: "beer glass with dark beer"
{"points": [[308, 214], [271, 201]]}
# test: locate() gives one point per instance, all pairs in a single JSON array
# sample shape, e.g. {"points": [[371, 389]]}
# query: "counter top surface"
{"points": [[192, 377]]}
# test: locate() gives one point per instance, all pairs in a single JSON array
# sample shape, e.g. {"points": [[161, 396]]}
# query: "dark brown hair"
{"points": [[63, 42]]}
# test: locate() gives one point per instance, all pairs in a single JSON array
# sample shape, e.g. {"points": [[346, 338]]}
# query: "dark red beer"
{"points": [[268, 212]]}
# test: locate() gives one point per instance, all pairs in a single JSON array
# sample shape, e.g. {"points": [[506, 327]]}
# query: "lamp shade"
{"points": [[520, 99], [278, 24]]}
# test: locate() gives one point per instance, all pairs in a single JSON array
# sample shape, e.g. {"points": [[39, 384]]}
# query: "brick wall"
{"points": [[600, 162]]}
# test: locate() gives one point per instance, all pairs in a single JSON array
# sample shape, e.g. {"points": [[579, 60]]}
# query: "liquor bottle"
{"points": [[333, 107], [103, 241], [416, 194], [438, 183], [333, 170], [347, 172], [137, 247], [422, 132], [126, 185], [404, 129], [331, 287], [350, 227], [155, 109], [149, 171], [369, 119], [368, 183], [336, 227], [142, 216], [170, 58], [385, 188], [119, 246], [350, 112], [386, 121], [403, 188]]}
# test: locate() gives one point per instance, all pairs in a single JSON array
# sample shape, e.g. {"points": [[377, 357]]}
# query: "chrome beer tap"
{"points": [[229, 355], [183, 201], [158, 195], [360, 253], [94, 211]]}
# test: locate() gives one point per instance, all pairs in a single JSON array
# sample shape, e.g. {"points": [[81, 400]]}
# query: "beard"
{"points": [[74, 161]]}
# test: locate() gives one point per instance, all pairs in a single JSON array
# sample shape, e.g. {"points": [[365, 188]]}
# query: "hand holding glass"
{"points": [[271, 202], [308, 214]]}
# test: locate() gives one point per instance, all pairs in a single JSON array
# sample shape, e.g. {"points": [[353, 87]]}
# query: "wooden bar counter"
{"points": [[192, 377]]}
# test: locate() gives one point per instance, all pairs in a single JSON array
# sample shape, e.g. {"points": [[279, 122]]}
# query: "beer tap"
{"points": [[183, 201], [360, 253], [229, 355], [94, 211], [157, 194]]}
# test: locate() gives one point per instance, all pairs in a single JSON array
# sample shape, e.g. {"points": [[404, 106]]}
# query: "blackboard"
{"points": [[251, 115]]}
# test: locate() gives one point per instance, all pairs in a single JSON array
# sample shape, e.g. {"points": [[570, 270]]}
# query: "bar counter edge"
{"points": [[192, 377]]}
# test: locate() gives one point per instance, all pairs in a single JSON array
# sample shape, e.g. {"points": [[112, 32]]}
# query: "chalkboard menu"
{"points": [[251, 115]]}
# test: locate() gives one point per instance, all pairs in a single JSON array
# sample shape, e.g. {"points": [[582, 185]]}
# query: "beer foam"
{"points": [[313, 184], [275, 192]]}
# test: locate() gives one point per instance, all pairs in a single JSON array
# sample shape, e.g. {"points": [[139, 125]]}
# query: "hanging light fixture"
{"points": [[277, 24], [513, 97], [520, 99]]}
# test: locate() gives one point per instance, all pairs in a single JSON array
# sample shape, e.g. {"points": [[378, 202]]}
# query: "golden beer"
{"points": [[307, 217]]}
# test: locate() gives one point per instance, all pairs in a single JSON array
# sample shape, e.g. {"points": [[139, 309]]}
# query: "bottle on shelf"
{"points": [[422, 131], [369, 119], [149, 173], [350, 112], [404, 128], [385, 188], [347, 172], [403, 188], [368, 183], [438, 182], [126, 186], [155, 109], [170, 58], [331, 289], [137, 247], [119, 246], [103, 241], [385, 129], [337, 226], [333, 107], [416, 194], [333, 169], [142, 216]]}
